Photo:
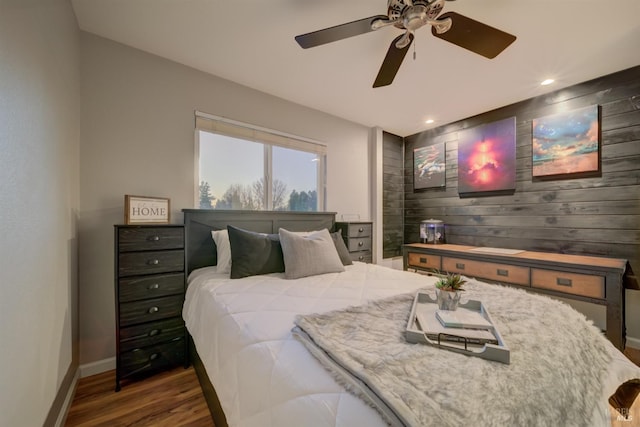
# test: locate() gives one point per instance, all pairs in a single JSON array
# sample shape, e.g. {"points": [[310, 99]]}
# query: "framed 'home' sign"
{"points": [[146, 210]]}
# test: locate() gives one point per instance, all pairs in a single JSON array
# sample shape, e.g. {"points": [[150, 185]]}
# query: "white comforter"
{"points": [[263, 376]]}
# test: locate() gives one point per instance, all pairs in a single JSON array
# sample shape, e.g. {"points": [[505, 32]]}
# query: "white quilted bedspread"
{"points": [[263, 376]]}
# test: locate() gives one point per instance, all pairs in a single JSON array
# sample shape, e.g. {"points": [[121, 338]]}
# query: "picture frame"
{"points": [[566, 145], [146, 210], [429, 166], [487, 159]]}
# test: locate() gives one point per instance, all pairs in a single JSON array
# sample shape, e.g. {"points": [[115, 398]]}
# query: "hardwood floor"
{"points": [[173, 398]]}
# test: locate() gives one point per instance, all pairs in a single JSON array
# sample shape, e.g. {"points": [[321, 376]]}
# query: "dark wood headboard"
{"points": [[200, 249]]}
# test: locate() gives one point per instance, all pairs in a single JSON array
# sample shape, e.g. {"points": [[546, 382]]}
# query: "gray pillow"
{"points": [[309, 255], [343, 252], [253, 254]]}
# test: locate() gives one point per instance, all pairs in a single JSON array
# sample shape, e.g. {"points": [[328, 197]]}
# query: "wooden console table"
{"points": [[584, 278]]}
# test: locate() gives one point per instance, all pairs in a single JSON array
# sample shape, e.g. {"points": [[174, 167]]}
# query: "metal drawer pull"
{"points": [[153, 310], [154, 286], [360, 243], [502, 272], [563, 282], [423, 260], [153, 262], [460, 265], [360, 258], [154, 356], [360, 230], [176, 339], [154, 332], [154, 238]]}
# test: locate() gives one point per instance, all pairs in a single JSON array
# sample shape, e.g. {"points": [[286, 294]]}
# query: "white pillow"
{"points": [[223, 248], [309, 255]]}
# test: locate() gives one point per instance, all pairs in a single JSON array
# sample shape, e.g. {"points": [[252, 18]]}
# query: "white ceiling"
{"points": [[251, 42]]}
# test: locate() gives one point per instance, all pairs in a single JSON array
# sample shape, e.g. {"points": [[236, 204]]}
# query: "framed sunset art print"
{"points": [[567, 144], [487, 159]]}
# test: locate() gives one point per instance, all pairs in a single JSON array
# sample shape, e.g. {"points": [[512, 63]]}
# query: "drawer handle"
{"points": [[360, 243], [460, 265], [154, 286], [153, 310], [153, 262], [360, 230], [423, 260], [154, 356], [502, 272], [360, 258], [176, 339], [563, 282], [154, 332], [154, 238]]}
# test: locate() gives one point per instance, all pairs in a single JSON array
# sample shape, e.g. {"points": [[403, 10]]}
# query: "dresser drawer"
{"points": [[569, 283], [419, 260], [150, 238], [358, 230], [138, 263], [359, 244], [147, 359], [487, 270], [365, 256], [132, 313], [137, 288], [152, 333]]}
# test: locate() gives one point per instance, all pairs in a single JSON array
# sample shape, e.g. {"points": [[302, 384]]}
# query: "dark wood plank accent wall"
{"points": [[596, 216], [392, 195]]}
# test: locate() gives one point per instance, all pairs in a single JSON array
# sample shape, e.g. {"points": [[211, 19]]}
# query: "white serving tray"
{"points": [[496, 352]]}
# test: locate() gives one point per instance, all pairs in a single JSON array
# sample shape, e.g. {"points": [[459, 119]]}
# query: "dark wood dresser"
{"points": [[583, 278], [149, 289], [358, 236]]}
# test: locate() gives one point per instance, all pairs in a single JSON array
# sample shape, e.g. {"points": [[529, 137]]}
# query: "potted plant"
{"points": [[448, 291]]}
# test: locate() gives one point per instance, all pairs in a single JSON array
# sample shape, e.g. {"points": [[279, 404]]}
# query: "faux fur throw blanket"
{"points": [[558, 362]]}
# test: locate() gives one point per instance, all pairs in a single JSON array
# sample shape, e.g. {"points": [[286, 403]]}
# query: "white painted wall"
{"points": [[39, 200], [138, 138]]}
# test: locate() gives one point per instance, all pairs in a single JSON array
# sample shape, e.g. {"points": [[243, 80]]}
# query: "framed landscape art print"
{"points": [[567, 144], [429, 166], [487, 159]]}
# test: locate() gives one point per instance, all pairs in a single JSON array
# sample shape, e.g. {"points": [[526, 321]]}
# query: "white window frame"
{"points": [[268, 137]]}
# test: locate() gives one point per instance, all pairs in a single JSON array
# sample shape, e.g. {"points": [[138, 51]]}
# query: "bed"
{"points": [[255, 371]]}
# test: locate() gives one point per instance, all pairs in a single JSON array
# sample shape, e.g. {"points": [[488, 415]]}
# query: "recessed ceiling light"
{"points": [[429, 121], [547, 82]]}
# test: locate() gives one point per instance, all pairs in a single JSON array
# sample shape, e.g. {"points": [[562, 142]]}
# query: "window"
{"points": [[244, 167]]}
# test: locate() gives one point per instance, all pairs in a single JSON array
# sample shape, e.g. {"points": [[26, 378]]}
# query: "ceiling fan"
{"points": [[410, 15]]}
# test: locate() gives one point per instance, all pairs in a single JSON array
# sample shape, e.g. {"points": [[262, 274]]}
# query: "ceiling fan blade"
{"points": [[392, 62], [474, 36], [339, 32]]}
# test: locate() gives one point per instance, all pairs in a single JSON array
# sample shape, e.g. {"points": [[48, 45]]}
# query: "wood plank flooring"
{"points": [[174, 398], [171, 398]]}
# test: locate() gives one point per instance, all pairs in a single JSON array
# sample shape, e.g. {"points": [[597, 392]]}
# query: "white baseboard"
{"points": [[62, 416], [633, 343], [97, 367]]}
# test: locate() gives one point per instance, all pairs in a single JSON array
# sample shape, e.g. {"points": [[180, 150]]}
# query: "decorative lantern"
{"points": [[432, 231]]}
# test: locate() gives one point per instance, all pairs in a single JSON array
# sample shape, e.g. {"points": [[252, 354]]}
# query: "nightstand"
{"points": [[149, 290], [358, 236]]}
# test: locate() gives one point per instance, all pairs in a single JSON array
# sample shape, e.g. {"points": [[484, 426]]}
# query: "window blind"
{"points": [[228, 127]]}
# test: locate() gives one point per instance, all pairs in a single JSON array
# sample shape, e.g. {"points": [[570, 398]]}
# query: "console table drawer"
{"points": [[423, 260], [568, 283], [487, 270]]}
